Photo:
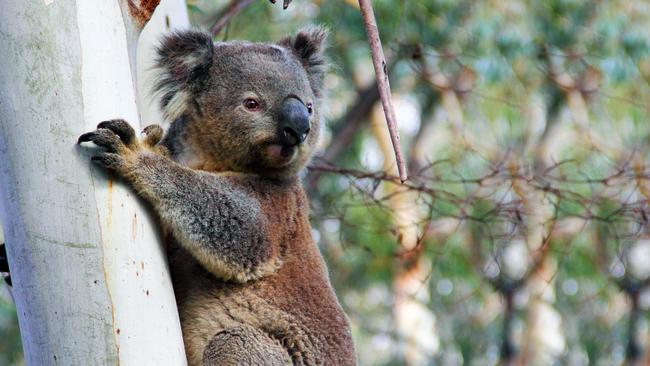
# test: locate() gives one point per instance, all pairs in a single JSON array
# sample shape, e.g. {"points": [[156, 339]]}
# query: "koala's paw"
{"points": [[121, 146]]}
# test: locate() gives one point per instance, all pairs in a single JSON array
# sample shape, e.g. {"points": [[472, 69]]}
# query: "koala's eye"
{"points": [[310, 108], [252, 104]]}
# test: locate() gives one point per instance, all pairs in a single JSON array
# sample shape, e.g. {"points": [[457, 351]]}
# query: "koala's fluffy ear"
{"points": [[309, 46], [184, 59]]}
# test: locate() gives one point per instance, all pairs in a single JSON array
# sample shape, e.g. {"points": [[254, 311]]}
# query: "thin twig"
{"points": [[224, 17], [381, 74]]}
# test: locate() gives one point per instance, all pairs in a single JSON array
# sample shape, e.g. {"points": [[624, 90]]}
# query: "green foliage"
{"points": [[11, 352]]}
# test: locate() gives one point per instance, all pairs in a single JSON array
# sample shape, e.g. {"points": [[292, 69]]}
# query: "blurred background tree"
{"points": [[522, 236]]}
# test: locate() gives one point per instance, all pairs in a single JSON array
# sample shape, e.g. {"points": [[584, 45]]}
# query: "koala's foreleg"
{"points": [[211, 217]]}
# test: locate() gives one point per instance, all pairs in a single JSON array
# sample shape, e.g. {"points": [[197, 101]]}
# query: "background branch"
{"points": [[224, 17]]}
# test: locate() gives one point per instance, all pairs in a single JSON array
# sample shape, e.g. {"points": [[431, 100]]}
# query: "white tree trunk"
{"points": [[90, 277]]}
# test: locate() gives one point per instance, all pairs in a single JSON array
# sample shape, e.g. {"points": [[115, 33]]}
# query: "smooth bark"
{"points": [[90, 276]]}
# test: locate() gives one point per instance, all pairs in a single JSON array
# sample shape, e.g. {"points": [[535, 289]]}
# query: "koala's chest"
{"points": [[296, 303]]}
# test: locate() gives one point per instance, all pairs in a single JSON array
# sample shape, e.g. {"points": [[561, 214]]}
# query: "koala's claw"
{"points": [[121, 128], [118, 140], [120, 144], [153, 135], [103, 137], [285, 3]]}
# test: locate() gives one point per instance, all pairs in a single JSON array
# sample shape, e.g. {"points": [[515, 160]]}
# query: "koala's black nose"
{"points": [[294, 122]]}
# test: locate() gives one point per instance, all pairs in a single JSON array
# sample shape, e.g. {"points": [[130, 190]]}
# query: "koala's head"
{"points": [[241, 106]]}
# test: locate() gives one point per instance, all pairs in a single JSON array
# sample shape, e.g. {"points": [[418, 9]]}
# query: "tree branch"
{"points": [[381, 75], [224, 17], [142, 10]]}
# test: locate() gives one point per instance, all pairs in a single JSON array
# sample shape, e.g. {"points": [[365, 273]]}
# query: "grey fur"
{"points": [[218, 223]]}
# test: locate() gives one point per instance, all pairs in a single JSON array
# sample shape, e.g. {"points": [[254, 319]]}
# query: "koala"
{"points": [[250, 283]]}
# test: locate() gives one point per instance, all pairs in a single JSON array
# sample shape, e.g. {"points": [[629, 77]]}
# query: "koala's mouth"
{"points": [[280, 155]]}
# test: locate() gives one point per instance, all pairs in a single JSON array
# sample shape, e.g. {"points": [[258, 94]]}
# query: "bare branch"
{"points": [[381, 74], [224, 17]]}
